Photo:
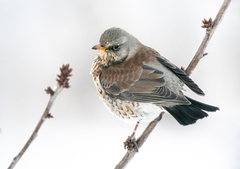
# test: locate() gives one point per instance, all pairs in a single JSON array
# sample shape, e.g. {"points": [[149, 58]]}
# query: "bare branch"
{"points": [[62, 83], [211, 27]]}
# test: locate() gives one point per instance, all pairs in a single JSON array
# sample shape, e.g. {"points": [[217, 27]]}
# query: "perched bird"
{"points": [[136, 83]]}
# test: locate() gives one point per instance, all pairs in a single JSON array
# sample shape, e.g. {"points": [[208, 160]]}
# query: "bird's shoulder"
{"points": [[130, 69]]}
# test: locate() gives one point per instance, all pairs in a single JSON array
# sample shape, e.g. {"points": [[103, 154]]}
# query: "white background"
{"points": [[38, 36]]}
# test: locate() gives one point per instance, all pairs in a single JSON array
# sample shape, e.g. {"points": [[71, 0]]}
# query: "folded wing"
{"points": [[141, 83]]}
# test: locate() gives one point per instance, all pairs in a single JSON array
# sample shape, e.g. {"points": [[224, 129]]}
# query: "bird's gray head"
{"points": [[116, 45]]}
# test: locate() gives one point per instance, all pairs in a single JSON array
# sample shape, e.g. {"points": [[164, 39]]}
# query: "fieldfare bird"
{"points": [[136, 83]]}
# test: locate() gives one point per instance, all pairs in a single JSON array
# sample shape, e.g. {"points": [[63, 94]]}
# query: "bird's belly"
{"points": [[128, 111], [131, 111]]}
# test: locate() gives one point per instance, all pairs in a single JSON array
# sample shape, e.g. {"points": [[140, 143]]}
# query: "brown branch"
{"points": [[211, 27], [62, 83], [130, 153]]}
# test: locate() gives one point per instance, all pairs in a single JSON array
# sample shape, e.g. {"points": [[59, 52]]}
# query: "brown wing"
{"points": [[119, 78], [138, 82]]}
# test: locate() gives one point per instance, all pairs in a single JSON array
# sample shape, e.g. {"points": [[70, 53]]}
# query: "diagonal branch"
{"points": [[209, 32], [211, 27], [62, 83]]}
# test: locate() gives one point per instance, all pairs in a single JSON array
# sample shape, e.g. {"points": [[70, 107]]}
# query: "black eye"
{"points": [[116, 47]]}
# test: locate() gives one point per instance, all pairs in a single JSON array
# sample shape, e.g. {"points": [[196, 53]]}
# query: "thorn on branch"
{"points": [[49, 116], [49, 91], [63, 77], [207, 24], [205, 54]]}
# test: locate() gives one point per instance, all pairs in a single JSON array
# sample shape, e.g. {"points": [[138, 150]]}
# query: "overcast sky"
{"points": [[38, 36]]}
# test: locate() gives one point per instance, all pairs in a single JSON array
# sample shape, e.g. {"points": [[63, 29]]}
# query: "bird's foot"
{"points": [[131, 143]]}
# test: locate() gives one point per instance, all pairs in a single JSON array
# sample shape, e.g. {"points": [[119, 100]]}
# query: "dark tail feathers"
{"points": [[189, 114]]}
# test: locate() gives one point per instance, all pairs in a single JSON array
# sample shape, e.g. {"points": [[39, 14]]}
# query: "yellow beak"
{"points": [[98, 47]]}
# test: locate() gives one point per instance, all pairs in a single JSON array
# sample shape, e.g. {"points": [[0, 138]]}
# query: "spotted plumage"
{"points": [[136, 83]]}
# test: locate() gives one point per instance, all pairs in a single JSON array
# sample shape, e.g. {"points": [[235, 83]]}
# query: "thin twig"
{"points": [[34, 134], [62, 83], [209, 32], [211, 27]]}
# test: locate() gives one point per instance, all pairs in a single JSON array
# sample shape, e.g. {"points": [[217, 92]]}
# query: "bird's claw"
{"points": [[131, 143]]}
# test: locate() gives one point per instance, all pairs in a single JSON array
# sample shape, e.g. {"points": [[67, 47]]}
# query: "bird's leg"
{"points": [[131, 143]]}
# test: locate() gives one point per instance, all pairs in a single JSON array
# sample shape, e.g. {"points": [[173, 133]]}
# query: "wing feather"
{"points": [[181, 75]]}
